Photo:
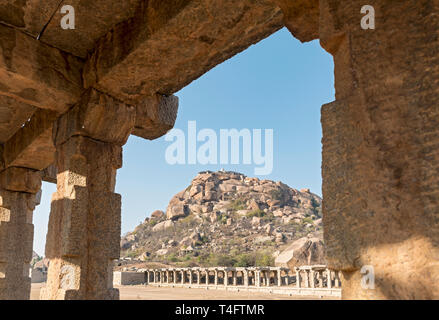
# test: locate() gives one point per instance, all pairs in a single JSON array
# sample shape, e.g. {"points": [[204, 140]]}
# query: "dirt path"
{"points": [[153, 293]]}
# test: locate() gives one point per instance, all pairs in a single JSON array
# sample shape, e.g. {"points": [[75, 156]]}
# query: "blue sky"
{"points": [[277, 84]]}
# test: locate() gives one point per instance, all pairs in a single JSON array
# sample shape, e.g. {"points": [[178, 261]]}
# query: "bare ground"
{"points": [[154, 293]]}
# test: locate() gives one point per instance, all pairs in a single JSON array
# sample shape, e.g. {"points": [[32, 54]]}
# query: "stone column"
{"points": [[306, 279], [337, 279], [182, 277], [190, 277], [216, 277], [329, 278], [258, 278], [298, 279], [18, 189], [321, 279], [226, 278], [245, 278], [267, 278], [83, 236], [174, 277], [235, 277], [312, 278], [279, 277]]}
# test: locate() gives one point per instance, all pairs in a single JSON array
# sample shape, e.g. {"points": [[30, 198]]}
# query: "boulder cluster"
{"points": [[223, 212]]}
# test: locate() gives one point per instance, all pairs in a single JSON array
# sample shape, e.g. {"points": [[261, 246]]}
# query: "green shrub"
{"points": [[307, 220], [238, 204], [276, 194], [264, 259], [256, 213]]}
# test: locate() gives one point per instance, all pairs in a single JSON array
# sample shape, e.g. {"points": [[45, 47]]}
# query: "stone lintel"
{"points": [[32, 145], [20, 180], [97, 116], [155, 116], [159, 51], [36, 73]]}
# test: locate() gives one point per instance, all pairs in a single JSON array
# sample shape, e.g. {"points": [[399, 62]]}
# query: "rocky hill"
{"points": [[228, 219]]}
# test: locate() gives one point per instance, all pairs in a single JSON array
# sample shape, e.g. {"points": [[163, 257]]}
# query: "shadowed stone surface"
{"points": [[133, 59], [32, 145], [37, 74], [16, 231], [380, 155]]}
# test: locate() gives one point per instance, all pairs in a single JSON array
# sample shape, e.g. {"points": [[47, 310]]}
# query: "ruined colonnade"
{"points": [[302, 277]]}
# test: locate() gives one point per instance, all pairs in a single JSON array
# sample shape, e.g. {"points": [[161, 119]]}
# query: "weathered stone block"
{"points": [[155, 116], [36, 73], [20, 180], [97, 116], [68, 217], [32, 145]]}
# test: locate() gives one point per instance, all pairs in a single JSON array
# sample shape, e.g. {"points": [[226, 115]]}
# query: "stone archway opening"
{"points": [[78, 101]]}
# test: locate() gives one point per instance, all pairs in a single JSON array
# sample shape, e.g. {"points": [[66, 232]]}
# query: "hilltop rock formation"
{"points": [[228, 217]]}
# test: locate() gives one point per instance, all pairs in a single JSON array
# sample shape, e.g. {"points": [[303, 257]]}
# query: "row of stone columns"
{"points": [[305, 277], [317, 277]]}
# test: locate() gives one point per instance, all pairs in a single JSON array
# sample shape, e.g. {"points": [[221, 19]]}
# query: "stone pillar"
{"points": [[18, 189], [226, 278], [321, 279], [174, 276], [279, 277], [83, 236], [306, 278], [258, 278], [216, 277], [183, 276], [245, 278], [267, 278], [161, 273], [336, 279], [235, 277], [312, 278], [380, 160], [329, 278], [298, 278], [190, 277]]}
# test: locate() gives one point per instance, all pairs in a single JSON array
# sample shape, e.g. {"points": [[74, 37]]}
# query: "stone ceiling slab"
{"points": [[167, 45], [13, 115], [93, 20]]}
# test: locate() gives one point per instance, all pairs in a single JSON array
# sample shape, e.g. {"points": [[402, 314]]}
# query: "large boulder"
{"points": [[157, 215], [303, 252], [163, 225], [177, 211]]}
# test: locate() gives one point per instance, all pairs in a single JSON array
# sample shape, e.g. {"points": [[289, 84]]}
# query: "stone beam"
{"points": [[49, 174], [155, 116], [32, 145], [38, 74], [301, 17], [168, 44]]}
